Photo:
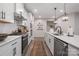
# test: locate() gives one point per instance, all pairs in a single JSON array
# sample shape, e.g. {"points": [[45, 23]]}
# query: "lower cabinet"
{"points": [[59, 47], [73, 51], [12, 48], [50, 42]]}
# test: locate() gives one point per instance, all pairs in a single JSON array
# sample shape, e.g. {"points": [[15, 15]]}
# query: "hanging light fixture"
{"points": [[55, 13], [65, 18]]}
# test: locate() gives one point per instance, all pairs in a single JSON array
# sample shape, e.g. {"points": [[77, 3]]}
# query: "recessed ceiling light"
{"points": [[35, 10], [39, 16], [61, 10]]}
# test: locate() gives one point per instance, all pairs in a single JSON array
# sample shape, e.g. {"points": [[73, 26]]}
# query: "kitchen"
{"points": [[39, 29]]}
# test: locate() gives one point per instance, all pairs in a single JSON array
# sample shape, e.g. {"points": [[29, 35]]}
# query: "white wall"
{"points": [[73, 21], [39, 33], [65, 25], [76, 28]]}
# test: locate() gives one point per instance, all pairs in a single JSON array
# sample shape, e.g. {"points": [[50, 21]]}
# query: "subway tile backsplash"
{"points": [[7, 28]]}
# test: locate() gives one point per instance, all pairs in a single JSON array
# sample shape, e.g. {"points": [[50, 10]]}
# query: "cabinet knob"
{"points": [[49, 40]]}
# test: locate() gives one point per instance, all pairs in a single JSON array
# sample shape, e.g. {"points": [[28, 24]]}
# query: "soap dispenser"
{"points": [[70, 31]]}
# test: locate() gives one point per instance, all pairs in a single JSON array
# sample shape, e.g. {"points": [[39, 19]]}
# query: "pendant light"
{"points": [[65, 18], [55, 13]]}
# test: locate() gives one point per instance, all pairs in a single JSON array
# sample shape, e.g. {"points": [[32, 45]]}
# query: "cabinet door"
{"points": [[47, 38], [16, 47], [11, 48], [19, 46], [48, 41], [9, 11], [73, 51], [5, 50], [52, 44]]}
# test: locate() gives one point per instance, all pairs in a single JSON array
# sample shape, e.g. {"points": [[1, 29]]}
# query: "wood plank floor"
{"points": [[38, 48]]}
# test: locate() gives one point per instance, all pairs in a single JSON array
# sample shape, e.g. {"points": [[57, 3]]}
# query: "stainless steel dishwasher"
{"points": [[60, 47]]}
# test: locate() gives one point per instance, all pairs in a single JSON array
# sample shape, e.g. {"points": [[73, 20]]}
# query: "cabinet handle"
{"points": [[14, 43], [14, 51], [49, 40]]}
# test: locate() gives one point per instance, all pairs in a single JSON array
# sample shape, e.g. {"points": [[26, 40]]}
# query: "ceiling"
{"points": [[46, 10]]}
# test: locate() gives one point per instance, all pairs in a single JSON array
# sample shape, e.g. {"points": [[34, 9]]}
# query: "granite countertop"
{"points": [[70, 40], [8, 39]]}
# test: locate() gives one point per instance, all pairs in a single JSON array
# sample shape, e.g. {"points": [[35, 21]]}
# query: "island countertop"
{"points": [[70, 40], [8, 39]]}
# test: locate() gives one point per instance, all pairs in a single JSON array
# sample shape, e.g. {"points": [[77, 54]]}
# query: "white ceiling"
{"points": [[46, 10]]}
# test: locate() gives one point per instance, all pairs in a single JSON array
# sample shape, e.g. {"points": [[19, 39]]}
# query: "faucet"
{"points": [[59, 30]]}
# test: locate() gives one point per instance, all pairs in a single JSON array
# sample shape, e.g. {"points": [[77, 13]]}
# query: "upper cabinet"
{"points": [[19, 8], [21, 14], [8, 9]]}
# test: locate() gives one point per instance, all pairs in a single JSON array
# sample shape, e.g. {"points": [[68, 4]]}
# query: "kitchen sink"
{"points": [[57, 34], [3, 37], [15, 33]]}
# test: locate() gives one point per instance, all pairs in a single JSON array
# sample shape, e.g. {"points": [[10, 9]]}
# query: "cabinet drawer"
{"points": [[7, 49]]}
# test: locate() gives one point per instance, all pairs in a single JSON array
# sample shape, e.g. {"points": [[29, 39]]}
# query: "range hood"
{"points": [[18, 17]]}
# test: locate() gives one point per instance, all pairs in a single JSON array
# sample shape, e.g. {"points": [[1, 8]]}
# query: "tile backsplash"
{"points": [[7, 28]]}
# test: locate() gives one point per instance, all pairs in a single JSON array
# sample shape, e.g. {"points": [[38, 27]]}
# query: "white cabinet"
{"points": [[73, 51], [11, 48], [50, 42], [16, 47], [47, 39], [5, 50], [8, 8]]}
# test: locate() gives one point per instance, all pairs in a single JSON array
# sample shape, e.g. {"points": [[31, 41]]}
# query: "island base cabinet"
{"points": [[16, 47], [47, 39], [73, 51], [12, 48], [51, 43], [5, 50]]}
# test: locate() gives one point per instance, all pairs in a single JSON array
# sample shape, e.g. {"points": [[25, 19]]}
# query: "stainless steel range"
{"points": [[24, 42]]}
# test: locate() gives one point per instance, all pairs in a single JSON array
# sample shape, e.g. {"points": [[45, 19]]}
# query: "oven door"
{"points": [[24, 42]]}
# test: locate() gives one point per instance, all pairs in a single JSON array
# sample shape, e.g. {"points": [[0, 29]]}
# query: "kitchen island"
{"points": [[70, 44], [11, 46]]}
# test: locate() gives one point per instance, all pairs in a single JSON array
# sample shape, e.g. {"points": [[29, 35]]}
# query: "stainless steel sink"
{"points": [[57, 34], [3, 37], [15, 33]]}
